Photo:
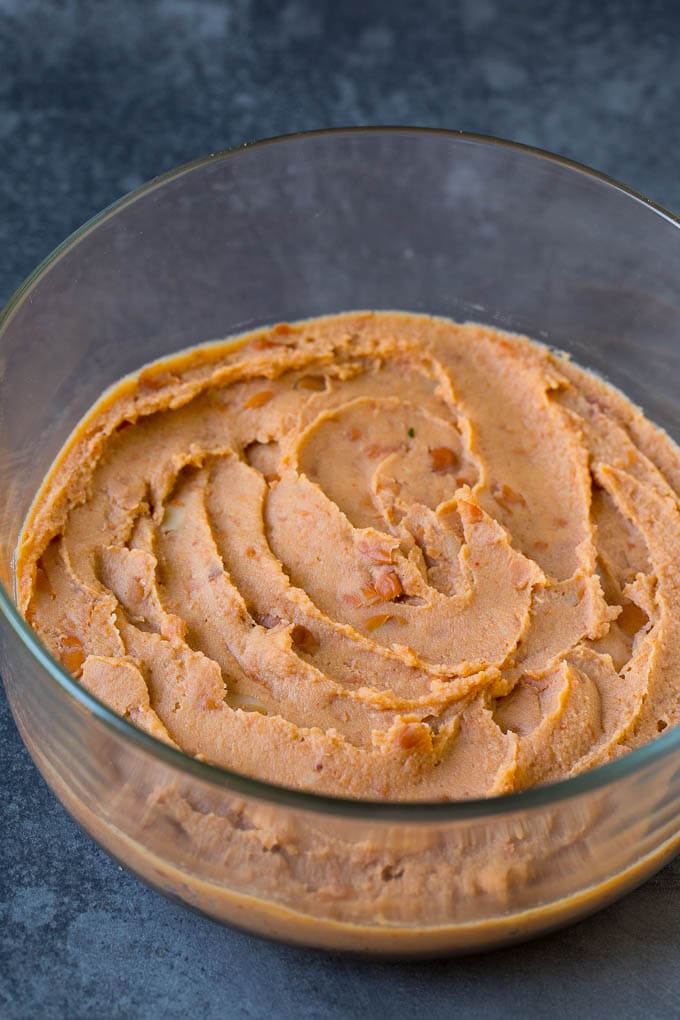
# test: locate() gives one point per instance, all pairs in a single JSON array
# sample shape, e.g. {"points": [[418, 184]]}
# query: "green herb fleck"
{"points": [[411, 432]]}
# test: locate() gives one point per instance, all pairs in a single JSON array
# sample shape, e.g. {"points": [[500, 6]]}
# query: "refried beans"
{"points": [[379, 555]]}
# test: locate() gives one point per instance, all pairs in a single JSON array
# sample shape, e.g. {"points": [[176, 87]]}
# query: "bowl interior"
{"points": [[436, 222]]}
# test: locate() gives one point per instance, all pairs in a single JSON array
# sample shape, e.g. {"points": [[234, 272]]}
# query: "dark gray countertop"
{"points": [[96, 97]]}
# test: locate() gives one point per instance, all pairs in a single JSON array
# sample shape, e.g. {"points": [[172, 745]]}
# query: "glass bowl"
{"points": [[437, 222]]}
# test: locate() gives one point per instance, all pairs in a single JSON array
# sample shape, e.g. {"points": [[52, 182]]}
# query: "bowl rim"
{"points": [[226, 779]]}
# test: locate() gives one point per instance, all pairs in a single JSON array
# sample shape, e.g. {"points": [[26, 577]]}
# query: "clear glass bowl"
{"points": [[437, 222]]}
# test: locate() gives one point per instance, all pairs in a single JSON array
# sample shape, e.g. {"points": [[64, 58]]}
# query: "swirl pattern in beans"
{"points": [[380, 555]]}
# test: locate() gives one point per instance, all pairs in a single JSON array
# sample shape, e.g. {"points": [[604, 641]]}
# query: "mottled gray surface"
{"points": [[95, 97]]}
